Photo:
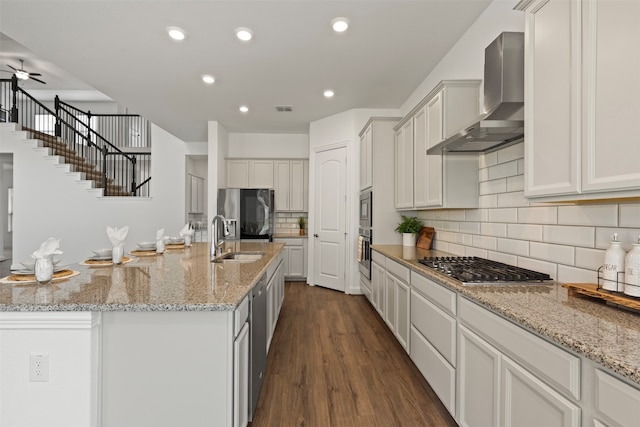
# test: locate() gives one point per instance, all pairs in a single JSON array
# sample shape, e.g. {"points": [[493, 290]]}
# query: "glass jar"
{"points": [[44, 269]]}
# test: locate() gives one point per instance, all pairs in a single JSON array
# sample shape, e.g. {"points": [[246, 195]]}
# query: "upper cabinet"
{"points": [[366, 158], [437, 180], [291, 185], [582, 95], [249, 173]]}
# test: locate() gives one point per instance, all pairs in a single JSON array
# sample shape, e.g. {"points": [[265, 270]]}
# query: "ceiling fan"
{"points": [[22, 74]]}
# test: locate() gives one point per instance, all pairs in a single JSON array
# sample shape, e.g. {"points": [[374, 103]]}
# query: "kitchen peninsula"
{"points": [[161, 341]]}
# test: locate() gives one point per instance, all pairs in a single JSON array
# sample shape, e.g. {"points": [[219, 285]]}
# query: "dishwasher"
{"points": [[258, 334]]}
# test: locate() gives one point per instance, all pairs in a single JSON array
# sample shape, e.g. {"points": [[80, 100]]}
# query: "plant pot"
{"points": [[409, 239], [303, 231]]}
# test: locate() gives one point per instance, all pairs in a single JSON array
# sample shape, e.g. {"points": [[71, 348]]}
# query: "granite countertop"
{"points": [[178, 280], [290, 236], [603, 333]]}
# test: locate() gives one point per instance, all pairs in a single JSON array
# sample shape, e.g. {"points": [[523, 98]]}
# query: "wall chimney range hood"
{"points": [[502, 124]]}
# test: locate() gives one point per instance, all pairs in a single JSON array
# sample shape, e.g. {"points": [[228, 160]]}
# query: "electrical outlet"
{"points": [[39, 367]]}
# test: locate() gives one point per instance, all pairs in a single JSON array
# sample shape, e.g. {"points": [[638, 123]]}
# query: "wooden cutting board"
{"points": [[425, 237]]}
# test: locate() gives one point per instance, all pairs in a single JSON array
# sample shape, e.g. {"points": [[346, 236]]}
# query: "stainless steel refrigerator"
{"points": [[248, 213]]}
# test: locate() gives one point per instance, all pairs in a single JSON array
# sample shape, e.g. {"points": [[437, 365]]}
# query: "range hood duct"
{"points": [[502, 124]]}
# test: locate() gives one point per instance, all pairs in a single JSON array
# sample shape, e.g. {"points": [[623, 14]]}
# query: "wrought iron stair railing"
{"points": [[114, 165]]}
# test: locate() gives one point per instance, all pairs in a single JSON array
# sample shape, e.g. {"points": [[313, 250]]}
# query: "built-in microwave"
{"points": [[366, 208]]}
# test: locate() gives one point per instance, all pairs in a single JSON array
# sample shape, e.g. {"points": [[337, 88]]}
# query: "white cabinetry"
{"points": [[378, 279], [275, 297], [583, 99], [437, 180], [196, 192], [241, 365], [615, 402], [249, 173], [433, 336], [291, 185], [366, 158], [295, 257], [507, 376]]}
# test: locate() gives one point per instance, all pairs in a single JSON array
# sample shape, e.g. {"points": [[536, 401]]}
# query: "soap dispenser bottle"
{"points": [[613, 263], [632, 270]]}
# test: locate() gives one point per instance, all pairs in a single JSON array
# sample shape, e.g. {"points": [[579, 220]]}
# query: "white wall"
{"points": [[43, 209], [6, 182], [342, 128], [266, 145], [466, 59], [218, 140]]}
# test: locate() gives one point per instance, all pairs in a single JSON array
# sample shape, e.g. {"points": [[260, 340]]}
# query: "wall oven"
{"points": [[366, 208], [364, 251]]}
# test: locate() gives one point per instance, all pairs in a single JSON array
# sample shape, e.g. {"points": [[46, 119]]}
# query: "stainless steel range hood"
{"points": [[502, 124]]}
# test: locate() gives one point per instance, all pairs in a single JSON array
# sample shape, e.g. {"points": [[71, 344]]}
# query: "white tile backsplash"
{"points": [[565, 241], [569, 235], [553, 253], [630, 215], [602, 215], [503, 215]]}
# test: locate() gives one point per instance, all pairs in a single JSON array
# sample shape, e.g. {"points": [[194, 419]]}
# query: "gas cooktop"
{"points": [[480, 271]]}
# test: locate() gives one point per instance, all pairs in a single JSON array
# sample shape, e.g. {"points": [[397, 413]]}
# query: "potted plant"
{"points": [[409, 227], [302, 223]]}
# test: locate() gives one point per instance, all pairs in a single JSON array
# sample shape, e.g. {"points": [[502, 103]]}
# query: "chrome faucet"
{"points": [[217, 222]]}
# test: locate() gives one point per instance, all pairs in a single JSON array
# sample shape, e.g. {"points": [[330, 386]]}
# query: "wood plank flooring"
{"points": [[333, 362]]}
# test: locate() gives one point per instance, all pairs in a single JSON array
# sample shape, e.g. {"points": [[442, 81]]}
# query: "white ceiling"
{"points": [[121, 49]]}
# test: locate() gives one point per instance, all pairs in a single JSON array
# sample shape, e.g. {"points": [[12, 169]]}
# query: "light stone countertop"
{"points": [[606, 334], [178, 280]]}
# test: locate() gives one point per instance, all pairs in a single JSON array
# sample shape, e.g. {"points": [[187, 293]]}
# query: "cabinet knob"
{"points": [[315, 235]]}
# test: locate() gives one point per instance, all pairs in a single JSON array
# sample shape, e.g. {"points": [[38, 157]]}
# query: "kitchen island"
{"points": [[157, 341], [580, 354]]}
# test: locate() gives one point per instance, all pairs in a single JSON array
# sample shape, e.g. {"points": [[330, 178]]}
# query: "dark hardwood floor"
{"points": [[333, 362]]}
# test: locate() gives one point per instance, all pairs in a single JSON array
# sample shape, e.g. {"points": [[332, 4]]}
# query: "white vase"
{"points": [[409, 239]]}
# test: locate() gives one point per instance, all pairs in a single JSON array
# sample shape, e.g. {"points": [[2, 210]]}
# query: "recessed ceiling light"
{"points": [[328, 93], [244, 109], [340, 24], [208, 79], [244, 34], [176, 33]]}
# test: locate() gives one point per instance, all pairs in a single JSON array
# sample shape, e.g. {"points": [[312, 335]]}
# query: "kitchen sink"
{"points": [[239, 257]]}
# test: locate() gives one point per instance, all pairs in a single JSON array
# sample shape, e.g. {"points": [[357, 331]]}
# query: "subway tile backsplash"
{"points": [[565, 241], [286, 223]]}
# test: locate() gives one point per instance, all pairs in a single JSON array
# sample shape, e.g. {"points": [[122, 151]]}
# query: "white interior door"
{"points": [[329, 236]]}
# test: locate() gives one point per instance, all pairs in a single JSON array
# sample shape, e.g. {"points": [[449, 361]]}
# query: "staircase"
{"points": [[77, 163]]}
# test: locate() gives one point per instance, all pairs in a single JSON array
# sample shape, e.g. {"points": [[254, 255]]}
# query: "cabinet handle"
{"points": [[315, 235]]}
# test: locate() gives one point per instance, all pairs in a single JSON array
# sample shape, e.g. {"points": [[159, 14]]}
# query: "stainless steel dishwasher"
{"points": [[258, 333]]}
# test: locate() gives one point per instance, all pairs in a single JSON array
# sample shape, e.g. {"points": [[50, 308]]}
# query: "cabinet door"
{"points": [[282, 184], [433, 167], [420, 158], [241, 378], [296, 261], [285, 261], [530, 402], [271, 309], [402, 300], [298, 185], [377, 285], [390, 301], [404, 166], [611, 96], [478, 381], [237, 173], [366, 158], [197, 194], [261, 173], [552, 91]]}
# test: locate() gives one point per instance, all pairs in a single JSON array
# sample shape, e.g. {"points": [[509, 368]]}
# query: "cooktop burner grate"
{"points": [[474, 270]]}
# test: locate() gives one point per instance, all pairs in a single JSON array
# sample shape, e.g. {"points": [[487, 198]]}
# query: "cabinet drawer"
{"points": [[241, 314], [439, 374], [438, 294], [378, 258], [436, 326], [616, 401], [554, 365], [398, 270]]}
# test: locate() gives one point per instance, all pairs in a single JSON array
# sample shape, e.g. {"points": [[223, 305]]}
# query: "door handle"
{"points": [[315, 235]]}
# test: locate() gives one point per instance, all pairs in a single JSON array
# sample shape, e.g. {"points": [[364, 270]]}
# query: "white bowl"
{"points": [[102, 252], [147, 245], [30, 264]]}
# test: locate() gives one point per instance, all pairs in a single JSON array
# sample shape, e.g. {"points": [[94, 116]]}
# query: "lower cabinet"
{"points": [[295, 258], [509, 377], [275, 297], [378, 278], [241, 378]]}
